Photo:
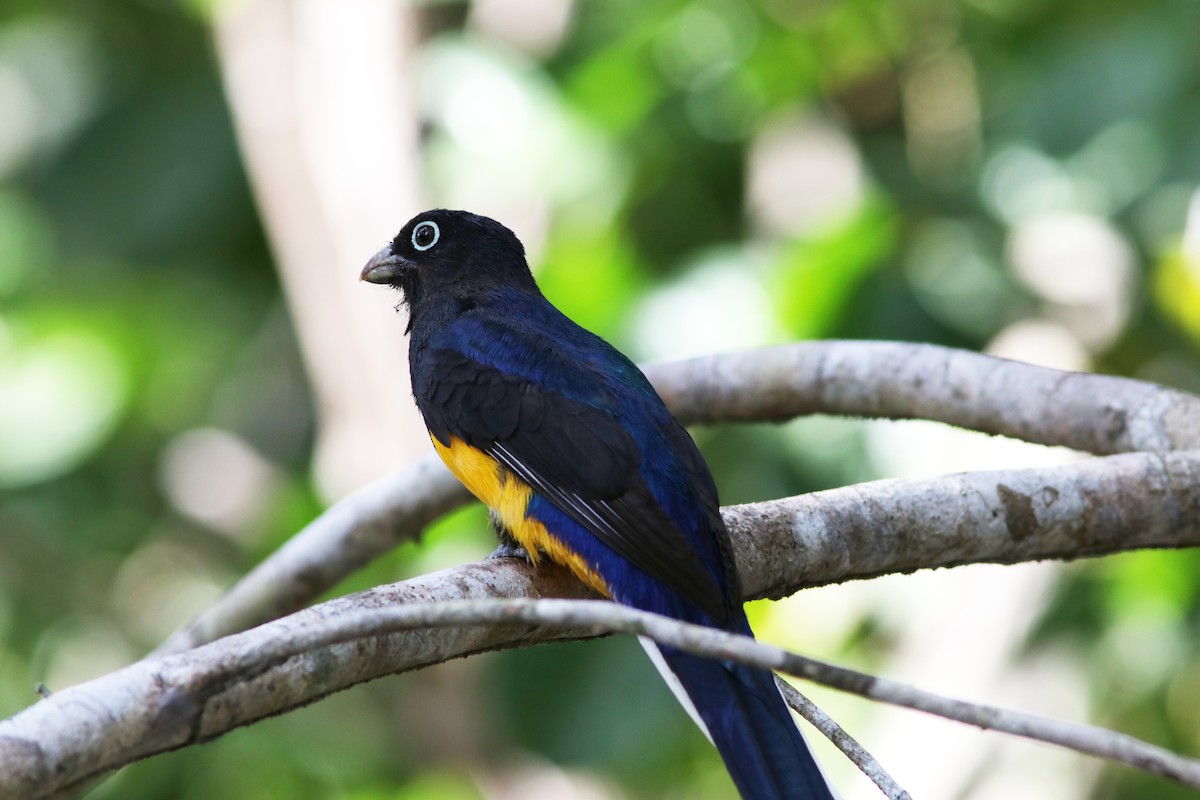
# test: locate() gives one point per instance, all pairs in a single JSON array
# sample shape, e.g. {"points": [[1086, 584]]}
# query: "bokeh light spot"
{"points": [[60, 396]]}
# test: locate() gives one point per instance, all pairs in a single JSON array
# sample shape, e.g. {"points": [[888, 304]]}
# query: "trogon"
{"points": [[580, 462]]}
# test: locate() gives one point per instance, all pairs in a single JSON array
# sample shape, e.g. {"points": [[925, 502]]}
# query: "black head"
{"points": [[450, 254]]}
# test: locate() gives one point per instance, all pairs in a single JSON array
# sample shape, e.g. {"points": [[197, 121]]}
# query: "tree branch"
{"points": [[166, 703], [1089, 508], [1095, 413], [346, 537], [1098, 414], [849, 746], [1103, 505], [193, 696]]}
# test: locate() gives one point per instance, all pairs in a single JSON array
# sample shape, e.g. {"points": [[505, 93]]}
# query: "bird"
{"points": [[578, 459]]}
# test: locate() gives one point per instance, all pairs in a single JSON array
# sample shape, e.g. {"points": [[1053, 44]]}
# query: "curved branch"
{"points": [[1094, 413], [1101, 506], [595, 618], [1098, 414], [344, 538], [187, 690], [162, 704]]}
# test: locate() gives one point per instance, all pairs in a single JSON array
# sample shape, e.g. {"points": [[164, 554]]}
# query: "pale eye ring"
{"points": [[426, 235]]}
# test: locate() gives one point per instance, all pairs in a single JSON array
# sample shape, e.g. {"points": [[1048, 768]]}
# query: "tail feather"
{"points": [[747, 719]]}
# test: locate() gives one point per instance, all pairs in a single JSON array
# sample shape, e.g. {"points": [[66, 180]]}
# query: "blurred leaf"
{"points": [[61, 393], [591, 275], [817, 274], [1177, 291], [429, 786], [1156, 582], [25, 243], [561, 700], [590, 85], [956, 276]]}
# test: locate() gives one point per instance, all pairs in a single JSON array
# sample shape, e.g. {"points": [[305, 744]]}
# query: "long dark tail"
{"points": [[752, 728]]}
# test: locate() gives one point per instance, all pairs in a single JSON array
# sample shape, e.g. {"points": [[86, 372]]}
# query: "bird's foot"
{"points": [[510, 549]]}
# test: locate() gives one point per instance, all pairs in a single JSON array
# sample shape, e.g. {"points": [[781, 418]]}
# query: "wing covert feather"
{"points": [[577, 456]]}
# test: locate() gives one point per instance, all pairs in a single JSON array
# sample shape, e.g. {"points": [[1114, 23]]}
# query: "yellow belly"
{"points": [[508, 497]]}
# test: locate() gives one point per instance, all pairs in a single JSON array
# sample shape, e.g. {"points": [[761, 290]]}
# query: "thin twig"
{"points": [[596, 617], [849, 746]]}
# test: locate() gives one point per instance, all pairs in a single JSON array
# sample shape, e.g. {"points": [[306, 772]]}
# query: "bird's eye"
{"points": [[425, 235]]}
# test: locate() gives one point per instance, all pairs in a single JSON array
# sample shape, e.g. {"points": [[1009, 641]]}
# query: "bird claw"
{"points": [[510, 549]]}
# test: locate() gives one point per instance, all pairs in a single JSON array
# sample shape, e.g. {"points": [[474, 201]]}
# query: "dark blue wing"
{"points": [[576, 456]]}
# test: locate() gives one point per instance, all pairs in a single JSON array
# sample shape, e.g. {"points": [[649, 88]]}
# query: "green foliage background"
{"points": [[138, 302]]}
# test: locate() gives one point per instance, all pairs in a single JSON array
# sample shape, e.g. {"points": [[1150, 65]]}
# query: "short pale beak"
{"points": [[384, 267]]}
